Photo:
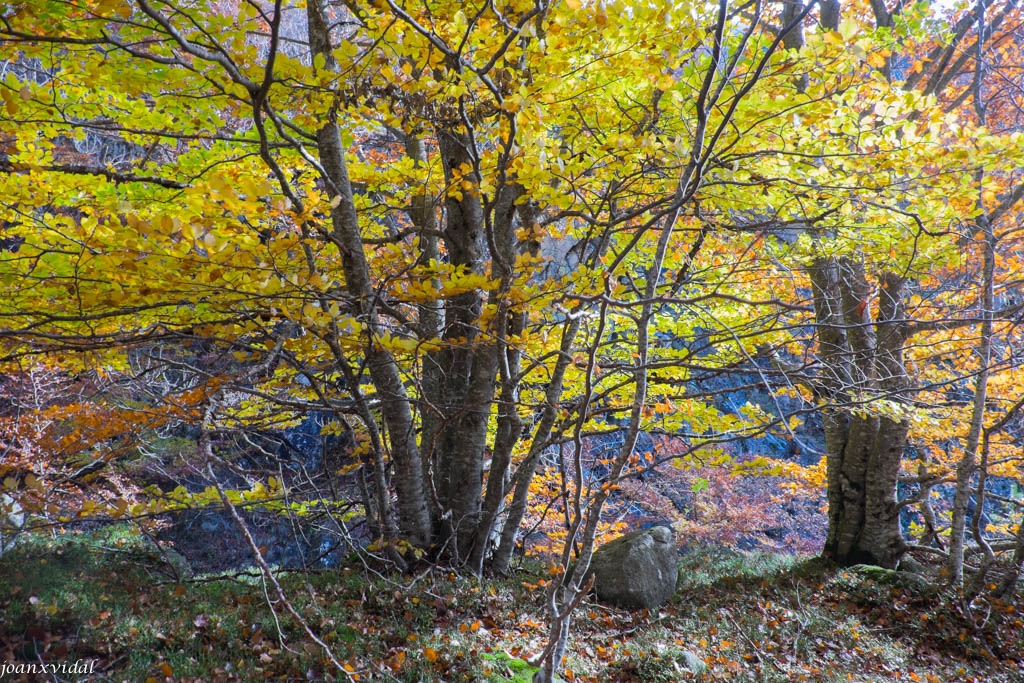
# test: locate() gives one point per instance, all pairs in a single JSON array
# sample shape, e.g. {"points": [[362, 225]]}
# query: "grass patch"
{"points": [[110, 597], [704, 566], [501, 667]]}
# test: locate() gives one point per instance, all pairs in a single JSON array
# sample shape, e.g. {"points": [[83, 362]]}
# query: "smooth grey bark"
{"points": [[967, 467], [794, 39], [508, 322], [454, 435], [414, 521], [509, 427], [465, 374], [422, 213], [828, 14], [882, 536], [473, 530], [502, 558], [862, 360]]}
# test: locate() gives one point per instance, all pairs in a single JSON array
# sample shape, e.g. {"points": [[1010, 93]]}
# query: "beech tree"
{"points": [[863, 321], [472, 234], [402, 280]]}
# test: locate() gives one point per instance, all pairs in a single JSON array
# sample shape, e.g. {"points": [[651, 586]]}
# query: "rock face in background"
{"points": [[209, 541], [638, 570]]}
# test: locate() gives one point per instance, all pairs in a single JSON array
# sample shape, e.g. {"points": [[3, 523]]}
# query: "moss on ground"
{"points": [[114, 598]]}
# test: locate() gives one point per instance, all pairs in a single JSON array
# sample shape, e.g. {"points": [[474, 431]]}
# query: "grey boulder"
{"points": [[638, 570], [12, 518]]}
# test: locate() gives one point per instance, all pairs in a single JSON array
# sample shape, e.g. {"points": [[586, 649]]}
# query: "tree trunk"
{"points": [[1008, 586], [422, 213], [414, 516], [524, 474], [968, 465], [510, 322], [466, 371], [862, 360], [461, 374]]}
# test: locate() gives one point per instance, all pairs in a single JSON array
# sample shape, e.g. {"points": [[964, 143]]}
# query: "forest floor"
{"points": [[110, 598]]}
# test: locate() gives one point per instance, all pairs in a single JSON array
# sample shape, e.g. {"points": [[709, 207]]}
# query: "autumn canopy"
{"points": [[475, 239]]}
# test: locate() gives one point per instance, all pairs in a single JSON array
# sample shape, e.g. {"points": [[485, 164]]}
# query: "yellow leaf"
{"points": [[193, 230], [849, 28], [10, 103]]}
